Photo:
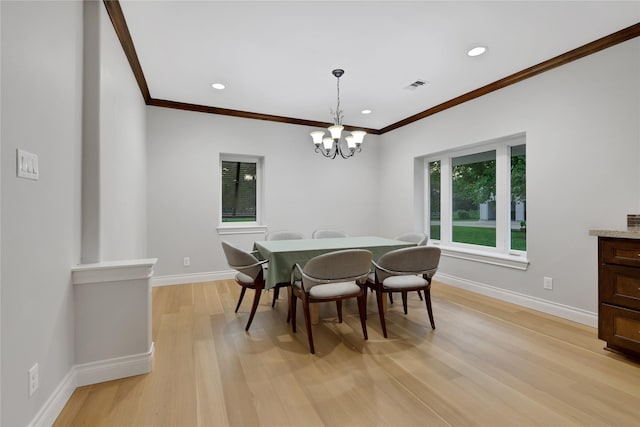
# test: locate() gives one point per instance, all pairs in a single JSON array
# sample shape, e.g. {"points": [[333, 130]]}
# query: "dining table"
{"points": [[284, 254]]}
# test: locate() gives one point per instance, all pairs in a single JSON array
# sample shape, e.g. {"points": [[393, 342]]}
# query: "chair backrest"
{"points": [[420, 239], [325, 234], [241, 260], [413, 260], [284, 235], [338, 266]]}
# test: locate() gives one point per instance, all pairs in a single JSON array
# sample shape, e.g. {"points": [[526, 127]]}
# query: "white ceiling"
{"points": [[276, 57]]}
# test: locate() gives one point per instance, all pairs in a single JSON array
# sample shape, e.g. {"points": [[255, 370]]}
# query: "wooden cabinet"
{"points": [[619, 294]]}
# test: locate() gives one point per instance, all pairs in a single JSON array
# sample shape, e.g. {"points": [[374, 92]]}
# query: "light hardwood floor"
{"points": [[488, 363]]}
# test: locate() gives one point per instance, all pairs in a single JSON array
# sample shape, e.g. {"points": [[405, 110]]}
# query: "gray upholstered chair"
{"points": [[284, 235], [281, 235], [327, 233], [420, 239], [404, 270], [250, 275], [334, 276]]}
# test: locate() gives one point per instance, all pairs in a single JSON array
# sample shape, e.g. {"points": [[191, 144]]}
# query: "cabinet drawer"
{"points": [[620, 328], [620, 285], [618, 251]]}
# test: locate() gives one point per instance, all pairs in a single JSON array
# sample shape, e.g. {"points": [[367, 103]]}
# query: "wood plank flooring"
{"points": [[488, 363]]}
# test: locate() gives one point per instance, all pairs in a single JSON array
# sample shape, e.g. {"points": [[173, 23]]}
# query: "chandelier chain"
{"points": [[337, 119]]}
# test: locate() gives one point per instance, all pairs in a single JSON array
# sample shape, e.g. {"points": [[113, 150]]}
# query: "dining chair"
{"points": [[328, 233], [284, 235], [404, 270], [250, 275], [420, 239], [281, 235], [333, 276]]}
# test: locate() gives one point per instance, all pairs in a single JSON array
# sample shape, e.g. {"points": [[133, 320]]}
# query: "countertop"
{"points": [[630, 233]]}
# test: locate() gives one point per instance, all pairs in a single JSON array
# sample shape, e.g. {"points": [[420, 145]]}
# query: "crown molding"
{"points": [[120, 26]]}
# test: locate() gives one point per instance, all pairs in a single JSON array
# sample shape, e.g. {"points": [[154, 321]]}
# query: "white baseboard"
{"points": [[48, 413], [560, 310], [179, 279], [113, 369], [91, 373]]}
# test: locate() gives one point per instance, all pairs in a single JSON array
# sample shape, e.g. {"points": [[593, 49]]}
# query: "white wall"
{"points": [[41, 113], [583, 140], [303, 190]]}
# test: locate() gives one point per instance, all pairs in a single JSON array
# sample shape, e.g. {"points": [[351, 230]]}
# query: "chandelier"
{"points": [[331, 146]]}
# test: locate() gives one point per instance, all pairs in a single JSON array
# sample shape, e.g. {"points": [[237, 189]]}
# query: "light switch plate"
{"points": [[27, 165]]}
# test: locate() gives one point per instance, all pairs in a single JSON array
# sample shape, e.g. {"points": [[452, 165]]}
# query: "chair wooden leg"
{"points": [[276, 293], [362, 308], [240, 299], [379, 296], [293, 302], [339, 308], [254, 307], [391, 297], [404, 301], [289, 303], [427, 298], [307, 321], [366, 291], [420, 295]]}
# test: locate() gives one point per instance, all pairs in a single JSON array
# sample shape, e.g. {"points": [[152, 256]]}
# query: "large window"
{"points": [[476, 197], [240, 193]]}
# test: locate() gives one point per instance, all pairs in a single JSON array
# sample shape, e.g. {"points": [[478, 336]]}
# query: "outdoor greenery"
{"points": [[482, 236]]}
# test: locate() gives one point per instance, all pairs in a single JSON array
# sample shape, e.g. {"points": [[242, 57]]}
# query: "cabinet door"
{"points": [[620, 285], [620, 328]]}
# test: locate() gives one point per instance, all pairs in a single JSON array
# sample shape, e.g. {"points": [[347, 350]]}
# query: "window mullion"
{"points": [[446, 207], [503, 207]]}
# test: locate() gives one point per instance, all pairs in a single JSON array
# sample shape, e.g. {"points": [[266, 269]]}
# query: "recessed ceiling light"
{"points": [[476, 51], [218, 86], [366, 111]]}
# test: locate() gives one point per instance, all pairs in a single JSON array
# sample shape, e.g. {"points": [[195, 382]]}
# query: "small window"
{"points": [[240, 193]]}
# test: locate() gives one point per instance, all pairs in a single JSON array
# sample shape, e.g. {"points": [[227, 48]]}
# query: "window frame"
{"points": [[244, 227], [501, 254]]}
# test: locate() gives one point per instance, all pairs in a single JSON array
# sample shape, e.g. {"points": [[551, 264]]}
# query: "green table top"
{"points": [[284, 254]]}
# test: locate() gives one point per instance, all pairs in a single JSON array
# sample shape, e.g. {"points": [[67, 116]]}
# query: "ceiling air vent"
{"points": [[415, 85]]}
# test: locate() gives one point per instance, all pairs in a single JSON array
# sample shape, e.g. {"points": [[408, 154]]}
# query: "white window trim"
{"points": [[249, 227], [501, 255]]}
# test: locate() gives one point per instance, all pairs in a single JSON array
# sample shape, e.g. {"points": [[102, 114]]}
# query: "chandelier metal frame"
{"points": [[333, 145]]}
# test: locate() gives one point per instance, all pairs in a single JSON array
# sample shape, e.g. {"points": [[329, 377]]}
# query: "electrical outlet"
{"points": [[34, 381], [187, 261], [548, 283]]}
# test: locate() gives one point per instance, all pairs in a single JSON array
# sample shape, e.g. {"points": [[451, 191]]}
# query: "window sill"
{"points": [[515, 260], [241, 229]]}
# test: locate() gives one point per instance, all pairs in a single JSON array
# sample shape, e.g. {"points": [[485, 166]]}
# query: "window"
{"points": [[241, 182], [476, 198]]}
